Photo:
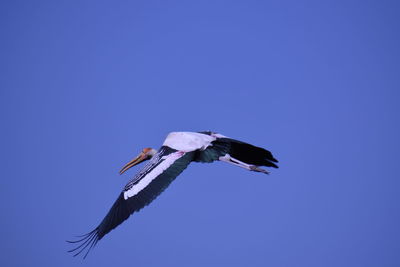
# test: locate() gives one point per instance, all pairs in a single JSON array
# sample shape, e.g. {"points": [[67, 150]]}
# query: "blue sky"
{"points": [[85, 85]]}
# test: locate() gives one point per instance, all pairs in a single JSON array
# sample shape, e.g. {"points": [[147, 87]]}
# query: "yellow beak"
{"points": [[133, 162]]}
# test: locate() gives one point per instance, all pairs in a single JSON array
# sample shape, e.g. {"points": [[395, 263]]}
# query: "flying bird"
{"points": [[177, 151]]}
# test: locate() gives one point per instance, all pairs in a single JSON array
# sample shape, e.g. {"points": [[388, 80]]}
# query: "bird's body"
{"points": [[176, 153]]}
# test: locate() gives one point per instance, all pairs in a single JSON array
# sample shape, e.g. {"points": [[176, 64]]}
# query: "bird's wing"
{"points": [[150, 182]]}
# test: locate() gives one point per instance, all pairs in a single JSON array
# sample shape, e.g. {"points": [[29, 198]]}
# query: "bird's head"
{"points": [[146, 154]]}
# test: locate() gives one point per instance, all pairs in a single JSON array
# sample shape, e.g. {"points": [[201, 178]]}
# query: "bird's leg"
{"points": [[227, 158]]}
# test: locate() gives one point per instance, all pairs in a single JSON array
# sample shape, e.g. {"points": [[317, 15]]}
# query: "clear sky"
{"points": [[85, 85]]}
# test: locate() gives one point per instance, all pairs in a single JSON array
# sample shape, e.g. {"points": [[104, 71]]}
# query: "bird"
{"points": [[176, 153]]}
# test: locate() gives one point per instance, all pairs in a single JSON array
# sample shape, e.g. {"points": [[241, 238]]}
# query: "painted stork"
{"points": [[178, 150]]}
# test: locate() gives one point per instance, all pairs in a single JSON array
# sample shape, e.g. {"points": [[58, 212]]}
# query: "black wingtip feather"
{"points": [[88, 241]]}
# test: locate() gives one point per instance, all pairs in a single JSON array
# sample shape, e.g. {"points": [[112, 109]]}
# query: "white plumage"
{"points": [[188, 141]]}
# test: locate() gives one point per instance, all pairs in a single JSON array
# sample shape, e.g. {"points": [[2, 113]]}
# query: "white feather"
{"points": [[188, 141], [145, 181]]}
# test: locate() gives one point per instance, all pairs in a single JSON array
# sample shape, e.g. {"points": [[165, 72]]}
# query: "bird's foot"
{"points": [[258, 169]]}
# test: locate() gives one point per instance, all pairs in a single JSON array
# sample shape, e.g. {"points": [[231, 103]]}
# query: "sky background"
{"points": [[85, 85]]}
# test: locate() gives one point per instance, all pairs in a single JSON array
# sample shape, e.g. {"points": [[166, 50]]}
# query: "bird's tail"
{"points": [[250, 154]]}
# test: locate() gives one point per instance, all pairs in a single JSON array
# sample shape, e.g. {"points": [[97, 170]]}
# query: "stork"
{"points": [[177, 151]]}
